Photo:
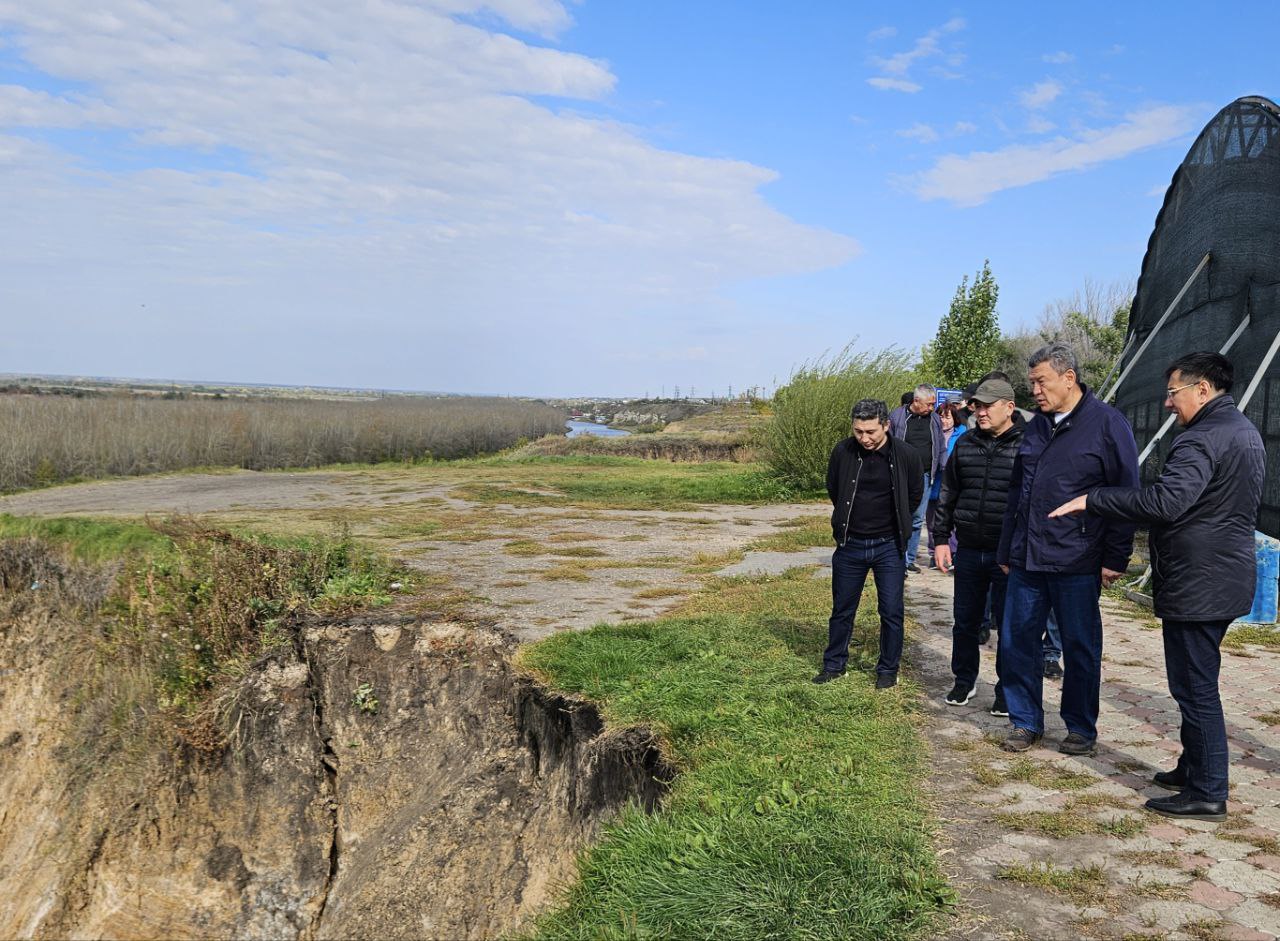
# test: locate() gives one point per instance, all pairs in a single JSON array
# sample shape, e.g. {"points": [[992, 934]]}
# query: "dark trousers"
{"points": [[1191, 660], [849, 567], [1074, 600], [976, 577]]}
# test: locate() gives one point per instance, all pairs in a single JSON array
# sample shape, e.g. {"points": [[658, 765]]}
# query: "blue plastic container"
{"points": [[1264, 610]]}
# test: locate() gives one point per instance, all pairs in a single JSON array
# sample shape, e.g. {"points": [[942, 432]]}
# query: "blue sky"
{"points": [[530, 197]]}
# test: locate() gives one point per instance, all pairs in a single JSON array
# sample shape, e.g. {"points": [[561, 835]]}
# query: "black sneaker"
{"points": [[1174, 780], [826, 676], [886, 680], [1052, 670], [960, 694], [1077, 744], [998, 708], [984, 635], [913, 569], [1020, 740]]}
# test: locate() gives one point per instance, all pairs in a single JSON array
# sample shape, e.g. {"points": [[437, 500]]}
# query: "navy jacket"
{"points": [[898, 429], [1092, 447], [906, 476], [1202, 512]]}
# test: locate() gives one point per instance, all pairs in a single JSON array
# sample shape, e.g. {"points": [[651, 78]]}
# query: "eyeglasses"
{"points": [[1170, 393]]}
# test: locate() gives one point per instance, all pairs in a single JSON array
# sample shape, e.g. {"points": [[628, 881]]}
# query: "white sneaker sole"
{"points": [[951, 702]]}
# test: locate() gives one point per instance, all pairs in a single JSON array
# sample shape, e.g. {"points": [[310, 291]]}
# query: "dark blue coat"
{"points": [[1092, 447], [1202, 513]]}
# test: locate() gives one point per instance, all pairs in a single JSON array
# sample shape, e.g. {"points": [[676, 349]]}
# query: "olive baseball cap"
{"points": [[993, 390]]}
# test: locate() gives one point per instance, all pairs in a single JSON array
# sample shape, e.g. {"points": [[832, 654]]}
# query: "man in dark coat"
{"points": [[1202, 512], [1076, 443], [920, 427], [875, 482], [975, 489]]}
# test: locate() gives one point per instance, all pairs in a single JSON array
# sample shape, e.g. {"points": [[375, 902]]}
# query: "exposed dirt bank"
{"points": [[449, 809]]}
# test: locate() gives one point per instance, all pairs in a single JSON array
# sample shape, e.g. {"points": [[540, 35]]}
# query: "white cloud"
{"points": [[963, 127], [884, 32], [1040, 125], [381, 165], [894, 68], [1057, 58], [1041, 94], [919, 132], [972, 179], [893, 84]]}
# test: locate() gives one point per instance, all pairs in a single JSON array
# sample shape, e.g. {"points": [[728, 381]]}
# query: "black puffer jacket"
{"points": [[975, 487], [1202, 512]]}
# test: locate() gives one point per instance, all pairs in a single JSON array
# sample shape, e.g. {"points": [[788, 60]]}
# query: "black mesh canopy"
{"points": [[1225, 201]]}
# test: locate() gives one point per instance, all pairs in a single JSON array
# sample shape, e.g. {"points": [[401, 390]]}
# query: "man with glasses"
{"points": [[1201, 511], [975, 489], [1075, 444], [874, 482]]}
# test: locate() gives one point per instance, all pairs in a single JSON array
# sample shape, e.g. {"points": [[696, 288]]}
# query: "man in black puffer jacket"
{"points": [[975, 490], [1202, 512]]}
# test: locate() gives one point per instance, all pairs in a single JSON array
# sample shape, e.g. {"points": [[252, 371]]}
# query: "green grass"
{"points": [[797, 811], [88, 539], [622, 483], [1084, 885], [804, 532], [1252, 635]]}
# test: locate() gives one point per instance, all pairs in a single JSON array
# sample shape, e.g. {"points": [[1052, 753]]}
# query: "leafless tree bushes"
{"points": [[46, 439]]}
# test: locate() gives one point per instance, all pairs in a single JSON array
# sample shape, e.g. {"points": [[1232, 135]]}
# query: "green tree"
{"points": [[968, 340]]}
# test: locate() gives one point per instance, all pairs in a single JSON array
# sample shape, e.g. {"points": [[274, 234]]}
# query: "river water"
{"points": [[579, 428]]}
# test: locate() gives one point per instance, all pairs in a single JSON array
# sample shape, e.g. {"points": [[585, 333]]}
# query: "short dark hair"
{"points": [[1214, 368], [907, 397], [1059, 356], [867, 409], [994, 374]]}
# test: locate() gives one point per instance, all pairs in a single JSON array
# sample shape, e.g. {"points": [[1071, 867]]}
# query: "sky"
{"points": [[532, 197]]}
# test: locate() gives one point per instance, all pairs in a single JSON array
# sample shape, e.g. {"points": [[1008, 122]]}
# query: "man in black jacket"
{"points": [[1202, 512], [975, 489], [875, 483]]}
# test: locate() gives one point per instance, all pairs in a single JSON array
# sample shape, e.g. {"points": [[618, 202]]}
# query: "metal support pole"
{"points": [[1111, 394], [1257, 376]]}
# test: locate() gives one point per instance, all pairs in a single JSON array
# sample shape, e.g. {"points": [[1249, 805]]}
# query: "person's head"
{"points": [[923, 398], [1195, 379], [996, 374], [993, 406], [870, 423], [948, 415], [907, 397], [966, 397], [1054, 376]]}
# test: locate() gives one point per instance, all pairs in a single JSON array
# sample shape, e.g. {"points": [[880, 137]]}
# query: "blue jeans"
{"points": [[977, 577], [849, 567], [917, 522], [1052, 640], [1191, 660], [1074, 600]]}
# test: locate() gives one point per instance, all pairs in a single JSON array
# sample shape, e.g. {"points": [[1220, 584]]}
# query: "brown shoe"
{"points": [[1020, 740]]}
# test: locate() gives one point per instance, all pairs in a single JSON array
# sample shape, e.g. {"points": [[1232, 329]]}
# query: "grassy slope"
{"points": [[797, 813]]}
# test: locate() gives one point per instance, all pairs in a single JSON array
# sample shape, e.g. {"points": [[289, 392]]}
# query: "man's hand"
{"points": [[1005, 569], [942, 557], [1108, 575], [1071, 507]]}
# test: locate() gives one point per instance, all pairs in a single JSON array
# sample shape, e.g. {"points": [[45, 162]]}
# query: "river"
{"points": [[579, 428]]}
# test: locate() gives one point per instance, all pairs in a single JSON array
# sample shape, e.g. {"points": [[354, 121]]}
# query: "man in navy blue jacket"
{"points": [[1202, 512], [1075, 444]]}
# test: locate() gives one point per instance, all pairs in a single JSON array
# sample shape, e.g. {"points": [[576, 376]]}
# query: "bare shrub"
{"points": [[53, 438]]}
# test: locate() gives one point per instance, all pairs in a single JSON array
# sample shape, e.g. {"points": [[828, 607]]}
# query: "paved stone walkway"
{"points": [[1047, 846]]}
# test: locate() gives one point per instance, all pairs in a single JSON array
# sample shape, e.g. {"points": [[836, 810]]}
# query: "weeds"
{"points": [[1084, 885]]}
